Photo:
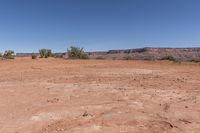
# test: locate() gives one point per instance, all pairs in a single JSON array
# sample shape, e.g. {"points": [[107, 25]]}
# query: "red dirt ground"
{"points": [[98, 96]]}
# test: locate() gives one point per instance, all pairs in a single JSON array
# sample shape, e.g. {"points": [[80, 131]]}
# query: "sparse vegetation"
{"points": [[9, 54], [45, 53], [128, 57], [34, 56], [57, 55], [49, 53], [100, 58], [76, 53], [114, 58], [170, 58], [195, 60], [149, 58]]}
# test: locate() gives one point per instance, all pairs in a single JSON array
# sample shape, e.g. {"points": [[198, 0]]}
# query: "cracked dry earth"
{"points": [[98, 96]]}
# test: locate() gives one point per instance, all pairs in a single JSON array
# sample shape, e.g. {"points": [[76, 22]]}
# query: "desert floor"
{"points": [[98, 96]]}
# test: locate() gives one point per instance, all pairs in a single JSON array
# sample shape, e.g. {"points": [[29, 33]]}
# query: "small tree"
{"points": [[76, 53], [45, 53], [33, 56], [9, 54], [42, 53]]}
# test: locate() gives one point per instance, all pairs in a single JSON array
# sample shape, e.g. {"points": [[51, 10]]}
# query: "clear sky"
{"points": [[28, 25]]}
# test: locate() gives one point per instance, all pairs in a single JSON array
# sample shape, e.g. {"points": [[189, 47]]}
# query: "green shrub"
{"points": [[49, 53], [45, 53], [170, 58], [76, 53], [34, 56], [128, 57], [9, 54], [84, 56], [42, 53]]}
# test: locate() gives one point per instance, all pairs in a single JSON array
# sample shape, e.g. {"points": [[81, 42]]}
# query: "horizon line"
{"points": [[122, 49]]}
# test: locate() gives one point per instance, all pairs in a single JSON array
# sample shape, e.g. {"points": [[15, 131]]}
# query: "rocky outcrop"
{"points": [[182, 54]]}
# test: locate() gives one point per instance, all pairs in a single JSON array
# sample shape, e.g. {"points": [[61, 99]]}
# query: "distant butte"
{"points": [[147, 53]]}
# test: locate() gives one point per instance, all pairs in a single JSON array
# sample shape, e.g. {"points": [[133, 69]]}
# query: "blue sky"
{"points": [[28, 25]]}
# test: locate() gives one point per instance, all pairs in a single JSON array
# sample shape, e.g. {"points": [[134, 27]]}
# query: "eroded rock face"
{"points": [[182, 54]]}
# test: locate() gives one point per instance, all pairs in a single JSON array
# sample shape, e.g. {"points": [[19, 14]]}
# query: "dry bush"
{"points": [[76, 53], [45, 53], [9, 54], [33, 56]]}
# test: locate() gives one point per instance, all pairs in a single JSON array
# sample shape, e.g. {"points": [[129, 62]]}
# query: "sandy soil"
{"points": [[64, 96]]}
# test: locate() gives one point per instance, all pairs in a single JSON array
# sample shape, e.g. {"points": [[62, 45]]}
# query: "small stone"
{"points": [[85, 114]]}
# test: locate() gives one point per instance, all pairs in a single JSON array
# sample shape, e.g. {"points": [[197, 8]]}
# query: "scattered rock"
{"points": [[166, 107], [53, 100], [85, 114]]}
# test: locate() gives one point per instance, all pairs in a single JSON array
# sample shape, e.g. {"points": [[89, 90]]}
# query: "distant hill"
{"points": [[148, 53]]}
